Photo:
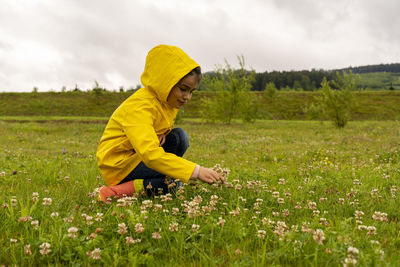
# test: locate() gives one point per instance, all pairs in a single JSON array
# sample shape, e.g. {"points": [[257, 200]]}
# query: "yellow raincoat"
{"points": [[131, 133]]}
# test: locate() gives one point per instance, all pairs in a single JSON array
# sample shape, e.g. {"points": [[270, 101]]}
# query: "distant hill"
{"points": [[393, 68]]}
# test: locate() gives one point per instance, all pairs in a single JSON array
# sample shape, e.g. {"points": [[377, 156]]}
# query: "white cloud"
{"points": [[55, 43]]}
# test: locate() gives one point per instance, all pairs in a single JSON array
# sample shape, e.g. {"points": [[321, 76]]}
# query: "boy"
{"points": [[139, 146]]}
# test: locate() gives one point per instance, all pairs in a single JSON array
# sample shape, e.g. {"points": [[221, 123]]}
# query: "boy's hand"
{"points": [[210, 176]]}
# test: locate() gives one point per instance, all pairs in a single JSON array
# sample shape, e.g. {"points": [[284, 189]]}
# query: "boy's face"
{"points": [[182, 92]]}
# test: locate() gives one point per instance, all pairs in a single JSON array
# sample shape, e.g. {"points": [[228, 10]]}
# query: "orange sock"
{"points": [[119, 190]]}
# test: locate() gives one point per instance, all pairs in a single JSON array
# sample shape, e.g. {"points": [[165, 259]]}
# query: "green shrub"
{"points": [[337, 99], [232, 98]]}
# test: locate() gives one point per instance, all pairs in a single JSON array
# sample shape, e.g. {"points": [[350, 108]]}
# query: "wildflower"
{"points": [[281, 181], [54, 214], [280, 228], [371, 230], [35, 224], [358, 214], [173, 227], [374, 192], [350, 262], [157, 207], [98, 230], [352, 250], [27, 250], [285, 212], [362, 227], [166, 197], [99, 217], [275, 194], [319, 236], [266, 221], [316, 212], [122, 229], [323, 221], [95, 254], [72, 232], [261, 234], [25, 219], [139, 228], [45, 248], [12, 240], [175, 211], [14, 201], [47, 201], [341, 201], [121, 202], [281, 200], [195, 228], [238, 187], [275, 213], [221, 222], [156, 235], [235, 212], [146, 204], [238, 251], [380, 216], [130, 240], [92, 236], [89, 220], [312, 205], [5, 205], [35, 196]]}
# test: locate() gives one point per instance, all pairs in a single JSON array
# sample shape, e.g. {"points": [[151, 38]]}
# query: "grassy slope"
{"points": [[380, 80], [373, 105]]}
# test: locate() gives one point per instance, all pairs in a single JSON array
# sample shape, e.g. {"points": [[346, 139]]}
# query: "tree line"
{"points": [[306, 80]]}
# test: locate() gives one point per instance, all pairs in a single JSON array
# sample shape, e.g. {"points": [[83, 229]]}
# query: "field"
{"points": [[299, 193]]}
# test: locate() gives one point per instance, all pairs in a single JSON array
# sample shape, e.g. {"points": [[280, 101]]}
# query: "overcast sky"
{"points": [[55, 43]]}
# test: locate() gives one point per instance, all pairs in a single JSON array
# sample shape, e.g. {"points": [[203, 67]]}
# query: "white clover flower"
{"points": [[45, 248], [280, 200], [358, 214], [173, 227], [27, 250], [156, 235], [95, 254], [35, 224], [54, 214], [47, 201], [195, 227], [72, 232], [221, 222], [139, 228], [122, 229], [175, 211], [319, 236], [261, 234]]}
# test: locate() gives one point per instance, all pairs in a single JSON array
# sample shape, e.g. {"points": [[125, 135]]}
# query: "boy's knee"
{"points": [[182, 138]]}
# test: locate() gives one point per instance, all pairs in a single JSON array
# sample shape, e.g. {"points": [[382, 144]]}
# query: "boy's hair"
{"points": [[196, 71]]}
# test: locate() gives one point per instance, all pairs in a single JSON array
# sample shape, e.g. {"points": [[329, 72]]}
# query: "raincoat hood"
{"points": [[165, 66]]}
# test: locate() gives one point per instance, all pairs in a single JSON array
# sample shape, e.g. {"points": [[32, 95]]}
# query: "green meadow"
{"points": [[298, 193]]}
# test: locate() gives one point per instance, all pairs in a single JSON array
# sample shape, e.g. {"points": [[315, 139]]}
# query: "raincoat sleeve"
{"points": [[138, 127]]}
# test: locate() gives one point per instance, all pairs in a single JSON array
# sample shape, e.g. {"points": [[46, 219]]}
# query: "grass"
{"points": [[298, 190], [380, 80], [373, 105]]}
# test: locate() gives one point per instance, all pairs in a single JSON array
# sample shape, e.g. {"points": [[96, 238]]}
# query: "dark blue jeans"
{"points": [[176, 142]]}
